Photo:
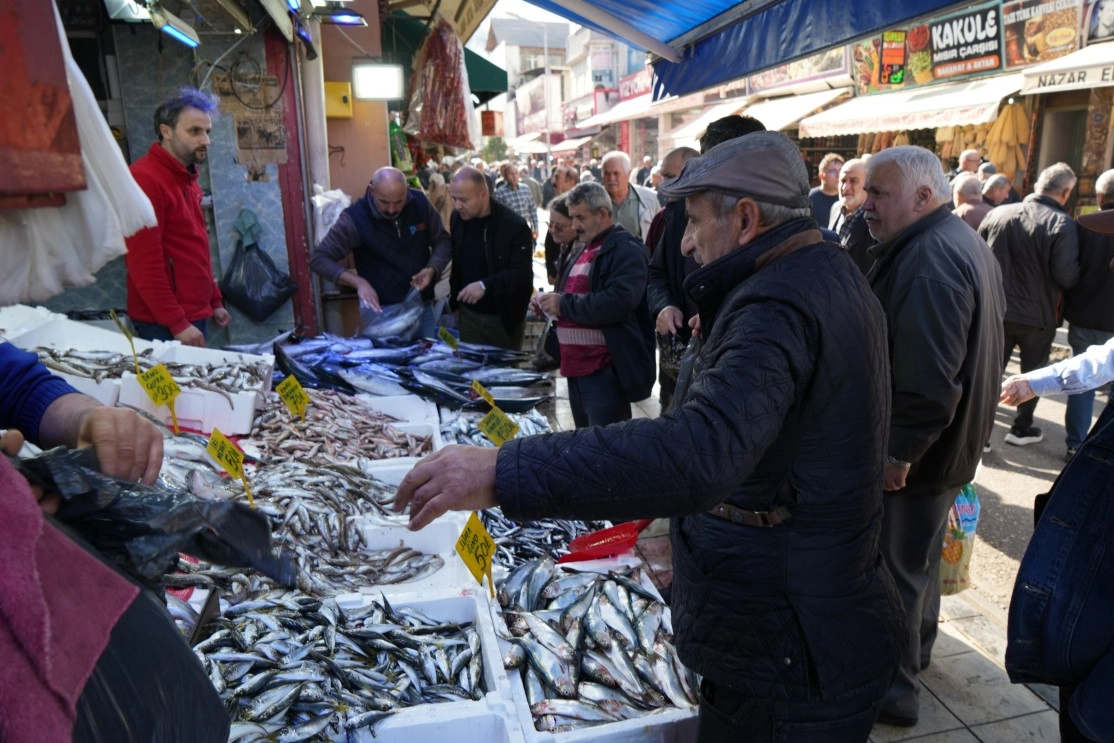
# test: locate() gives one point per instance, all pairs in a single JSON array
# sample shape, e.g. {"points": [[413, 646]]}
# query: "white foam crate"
{"points": [[490, 720], [669, 725], [198, 409], [20, 318], [406, 408], [65, 334], [429, 429]]}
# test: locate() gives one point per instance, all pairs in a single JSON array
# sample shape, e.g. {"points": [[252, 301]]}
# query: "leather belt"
{"points": [[761, 519]]}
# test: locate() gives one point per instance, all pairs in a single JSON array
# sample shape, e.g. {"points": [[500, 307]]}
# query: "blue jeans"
{"points": [[152, 331], [1081, 407], [598, 399]]}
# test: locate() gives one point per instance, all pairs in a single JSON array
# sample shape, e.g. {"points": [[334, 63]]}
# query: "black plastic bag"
{"points": [[144, 527], [547, 352], [253, 283]]}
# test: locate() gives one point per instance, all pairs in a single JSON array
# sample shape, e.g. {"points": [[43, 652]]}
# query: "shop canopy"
{"points": [[688, 135], [704, 43], [1090, 67], [950, 104], [402, 37], [633, 108], [570, 144], [784, 113]]}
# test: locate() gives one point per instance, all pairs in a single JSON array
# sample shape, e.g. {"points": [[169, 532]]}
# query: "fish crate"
{"points": [[20, 318], [668, 725], [424, 428], [407, 408], [199, 409], [64, 334], [490, 720]]}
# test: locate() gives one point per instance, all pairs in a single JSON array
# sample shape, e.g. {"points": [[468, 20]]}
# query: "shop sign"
{"points": [[831, 63], [1039, 30], [1080, 77], [1098, 20], [960, 45], [632, 86]]}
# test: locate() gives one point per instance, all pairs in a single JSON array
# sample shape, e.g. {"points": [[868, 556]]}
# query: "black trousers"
{"points": [[1036, 345]]}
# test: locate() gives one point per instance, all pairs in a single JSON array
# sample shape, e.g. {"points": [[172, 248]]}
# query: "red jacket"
{"points": [[170, 274]]}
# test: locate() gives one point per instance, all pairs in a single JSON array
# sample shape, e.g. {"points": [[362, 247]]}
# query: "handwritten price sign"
{"points": [[449, 339], [290, 391], [482, 392], [161, 388], [476, 548], [229, 456], [498, 427]]}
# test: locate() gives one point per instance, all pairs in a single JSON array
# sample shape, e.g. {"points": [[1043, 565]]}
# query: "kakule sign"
{"points": [[967, 42]]}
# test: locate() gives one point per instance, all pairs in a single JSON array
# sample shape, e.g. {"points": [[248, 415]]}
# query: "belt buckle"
{"points": [[763, 519]]}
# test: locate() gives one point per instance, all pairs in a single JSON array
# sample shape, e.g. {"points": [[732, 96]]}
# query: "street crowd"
{"points": [[830, 362]]}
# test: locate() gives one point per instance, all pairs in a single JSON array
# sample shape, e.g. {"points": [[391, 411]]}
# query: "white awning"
{"points": [[955, 104], [570, 144], [1090, 67], [528, 137], [688, 135], [633, 108], [783, 113]]}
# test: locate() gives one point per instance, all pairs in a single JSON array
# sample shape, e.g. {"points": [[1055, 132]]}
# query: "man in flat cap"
{"points": [[769, 463]]}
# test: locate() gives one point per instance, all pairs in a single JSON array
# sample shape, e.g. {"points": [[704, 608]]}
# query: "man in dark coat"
{"points": [[942, 292], [1037, 244], [778, 423], [607, 345]]}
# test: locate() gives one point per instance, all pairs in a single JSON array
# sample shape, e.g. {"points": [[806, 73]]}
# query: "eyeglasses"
{"points": [[831, 171]]}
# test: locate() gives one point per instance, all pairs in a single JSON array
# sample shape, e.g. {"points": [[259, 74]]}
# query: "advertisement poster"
{"points": [[1039, 30], [817, 67], [1098, 20], [943, 48]]}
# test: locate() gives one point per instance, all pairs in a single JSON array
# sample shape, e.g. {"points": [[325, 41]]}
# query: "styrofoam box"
{"points": [[408, 408], [198, 409], [490, 720], [65, 334], [430, 429], [19, 318], [670, 725]]}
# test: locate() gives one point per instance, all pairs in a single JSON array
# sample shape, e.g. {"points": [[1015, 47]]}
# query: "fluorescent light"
{"points": [[174, 27], [294, 5], [340, 17], [375, 81], [126, 10]]}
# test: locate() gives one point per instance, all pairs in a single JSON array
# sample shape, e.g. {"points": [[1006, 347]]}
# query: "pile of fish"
{"points": [[337, 429], [591, 648], [295, 668], [519, 542], [326, 516], [463, 428], [224, 378]]}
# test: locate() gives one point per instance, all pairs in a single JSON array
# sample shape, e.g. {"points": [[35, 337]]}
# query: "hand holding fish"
{"points": [[457, 478], [369, 298]]}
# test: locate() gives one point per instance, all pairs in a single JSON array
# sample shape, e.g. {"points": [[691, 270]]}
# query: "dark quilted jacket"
{"points": [[788, 394]]}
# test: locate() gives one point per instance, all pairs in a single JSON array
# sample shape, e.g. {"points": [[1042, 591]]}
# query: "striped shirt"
{"points": [[583, 348], [521, 201]]}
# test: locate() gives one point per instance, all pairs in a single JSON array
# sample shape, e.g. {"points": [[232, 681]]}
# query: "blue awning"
{"points": [[703, 43]]}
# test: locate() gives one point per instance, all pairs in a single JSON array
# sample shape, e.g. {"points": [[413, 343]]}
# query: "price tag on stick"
{"points": [[482, 392], [477, 548], [290, 391], [449, 339], [128, 335], [161, 388], [498, 427], [229, 456]]}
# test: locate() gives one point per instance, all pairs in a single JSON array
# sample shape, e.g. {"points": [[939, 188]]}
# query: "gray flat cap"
{"points": [[766, 166]]}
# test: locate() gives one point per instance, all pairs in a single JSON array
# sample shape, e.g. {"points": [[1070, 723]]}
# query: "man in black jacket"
{"points": [[770, 463], [397, 241], [607, 346], [491, 278], [1037, 244], [942, 293], [1089, 307]]}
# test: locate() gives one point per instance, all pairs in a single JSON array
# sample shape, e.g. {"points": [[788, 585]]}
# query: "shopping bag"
{"points": [[547, 353], [959, 542], [253, 283]]}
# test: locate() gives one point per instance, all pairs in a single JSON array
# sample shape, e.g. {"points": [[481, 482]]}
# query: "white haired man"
{"points": [[967, 196], [632, 206], [941, 290], [996, 190], [1037, 244]]}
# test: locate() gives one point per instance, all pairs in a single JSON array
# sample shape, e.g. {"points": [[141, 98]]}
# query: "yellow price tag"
{"points": [[449, 339], [290, 391], [482, 392], [477, 549], [161, 388], [498, 427], [131, 342], [229, 456]]}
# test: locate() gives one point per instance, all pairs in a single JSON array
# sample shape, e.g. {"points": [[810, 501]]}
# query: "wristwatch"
{"points": [[898, 463], [483, 286]]}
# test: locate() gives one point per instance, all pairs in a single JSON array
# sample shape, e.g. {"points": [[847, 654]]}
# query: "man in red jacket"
{"points": [[171, 289]]}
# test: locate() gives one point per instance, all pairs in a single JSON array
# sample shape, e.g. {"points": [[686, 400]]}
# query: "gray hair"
{"points": [[918, 167], [590, 193], [769, 215], [436, 179], [1104, 186], [968, 186], [995, 181], [1055, 179], [617, 155]]}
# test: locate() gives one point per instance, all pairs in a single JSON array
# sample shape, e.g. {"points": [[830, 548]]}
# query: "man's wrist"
{"points": [[898, 462], [483, 286]]}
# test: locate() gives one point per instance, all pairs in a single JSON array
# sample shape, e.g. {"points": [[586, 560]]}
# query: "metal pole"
{"points": [[548, 145]]}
